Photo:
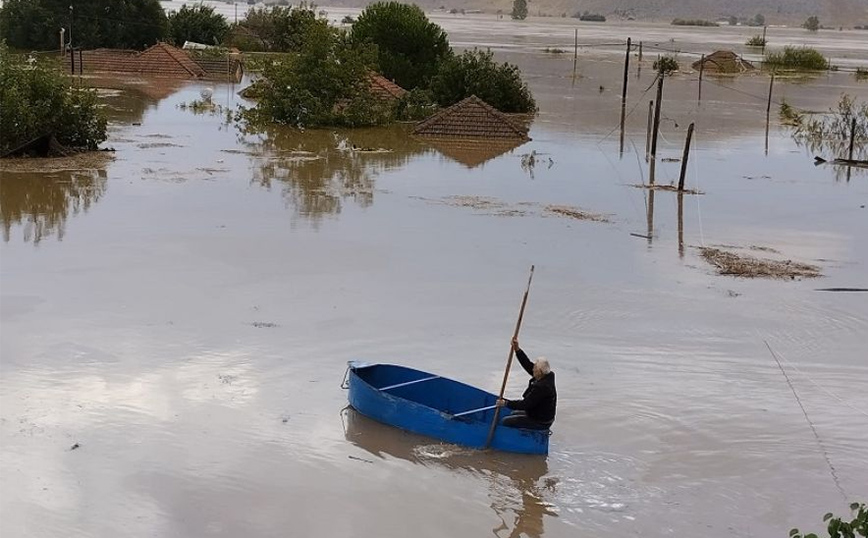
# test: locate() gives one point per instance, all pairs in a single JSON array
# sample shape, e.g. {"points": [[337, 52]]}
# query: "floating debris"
{"points": [[574, 213], [729, 263]]}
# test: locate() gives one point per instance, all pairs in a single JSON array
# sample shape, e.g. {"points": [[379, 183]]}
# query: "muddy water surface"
{"points": [[176, 321]]}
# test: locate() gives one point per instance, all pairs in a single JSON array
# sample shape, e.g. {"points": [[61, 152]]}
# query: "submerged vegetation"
{"points": [[861, 74], [410, 48], [797, 58], [474, 72], [831, 132], [328, 80], [757, 41], [37, 99], [693, 22]]}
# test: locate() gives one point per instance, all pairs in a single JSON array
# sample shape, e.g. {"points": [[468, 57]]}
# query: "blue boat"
{"points": [[435, 406]]}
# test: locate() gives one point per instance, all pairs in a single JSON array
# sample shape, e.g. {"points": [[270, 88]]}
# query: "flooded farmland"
{"points": [[177, 315]]}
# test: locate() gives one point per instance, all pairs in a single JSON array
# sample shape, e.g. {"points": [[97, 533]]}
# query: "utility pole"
{"points": [[70, 25]]}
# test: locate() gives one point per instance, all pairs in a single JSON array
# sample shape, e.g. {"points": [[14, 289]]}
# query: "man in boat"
{"points": [[536, 409]]}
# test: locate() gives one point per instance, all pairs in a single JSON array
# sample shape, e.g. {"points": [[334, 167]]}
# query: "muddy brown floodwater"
{"points": [[176, 318]]}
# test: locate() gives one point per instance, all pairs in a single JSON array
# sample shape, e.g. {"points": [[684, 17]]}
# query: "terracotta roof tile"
{"points": [[471, 118], [385, 89]]}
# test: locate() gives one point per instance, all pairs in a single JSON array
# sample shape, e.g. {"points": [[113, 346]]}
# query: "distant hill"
{"points": [[831, 12]]}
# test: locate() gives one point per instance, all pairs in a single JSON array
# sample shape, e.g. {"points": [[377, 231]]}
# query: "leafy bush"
{"points": [[275, 29], [797, 58], [591, 17], [666, 65], [199, 24], [838, 528], [475, 72], [34, 24], [693, 22], [415, 105], [861, 74], [812, 24], [553, 50], [519, 10], [409, 46], [326, 83], [756, 41], [36, 99]]}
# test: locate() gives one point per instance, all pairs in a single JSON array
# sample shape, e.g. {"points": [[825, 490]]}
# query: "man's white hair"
{"points": [[542, 365]]}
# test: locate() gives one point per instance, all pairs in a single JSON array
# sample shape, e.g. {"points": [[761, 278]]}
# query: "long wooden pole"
{"points": [[769, 110], [655, 129], [624, 92], [509, 360], [648, 131], [701, 71], [684, 158]]}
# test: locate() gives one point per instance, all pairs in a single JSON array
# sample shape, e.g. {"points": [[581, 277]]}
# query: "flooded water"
{"points": [[177, 317]]}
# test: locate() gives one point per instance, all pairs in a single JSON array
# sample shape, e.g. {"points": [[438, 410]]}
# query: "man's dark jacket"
{"points": [[540, 399]]}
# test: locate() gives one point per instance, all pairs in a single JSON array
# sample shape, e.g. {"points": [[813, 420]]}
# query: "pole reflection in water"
{"points": [[517, 483], [681, 225]]}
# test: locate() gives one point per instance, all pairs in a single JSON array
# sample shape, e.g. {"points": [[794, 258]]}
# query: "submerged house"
{"points": [[472, 132], [161, 60], [724, 61]]}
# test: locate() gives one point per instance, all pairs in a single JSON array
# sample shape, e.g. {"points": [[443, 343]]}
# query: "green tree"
{"points": [[758, 20], [36, 99], [812, 24], [275, 29], [519, 10], [35, 24], [326, 83], [198, 23], [475, 72], [409, 46]]}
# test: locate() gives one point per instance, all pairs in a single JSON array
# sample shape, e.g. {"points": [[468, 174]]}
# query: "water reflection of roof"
{"points": [[471, 118], [473, 152]]}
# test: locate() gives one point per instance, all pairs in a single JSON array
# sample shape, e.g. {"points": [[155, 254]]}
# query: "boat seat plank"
{"points": [[486, 408], [395, 386]]}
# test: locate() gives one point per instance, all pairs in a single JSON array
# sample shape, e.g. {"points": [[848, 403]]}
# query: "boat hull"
{"points": [[436, 407]]}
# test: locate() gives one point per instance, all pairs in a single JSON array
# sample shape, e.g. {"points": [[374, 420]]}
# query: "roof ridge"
{"points": [[473, 100], [173, 53]]}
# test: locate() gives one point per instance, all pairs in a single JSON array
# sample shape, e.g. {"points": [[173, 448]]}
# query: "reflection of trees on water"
{"points": [[318, 169], [518, 485], [41, 202]]}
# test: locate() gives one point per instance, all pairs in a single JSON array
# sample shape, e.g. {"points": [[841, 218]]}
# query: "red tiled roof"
{"points": [[165, 60], [471, 118], [161, 60], [383, 88]]}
